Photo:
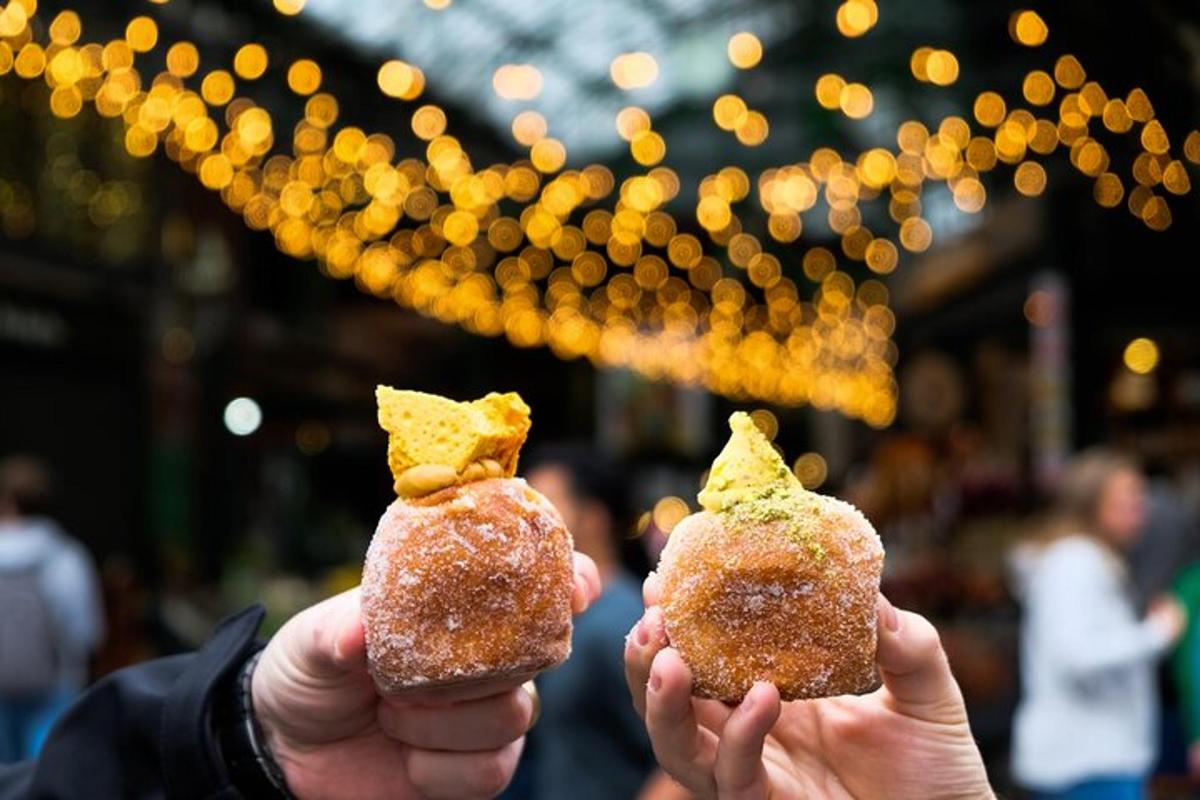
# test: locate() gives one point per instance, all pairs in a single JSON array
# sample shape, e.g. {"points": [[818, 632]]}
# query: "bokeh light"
{"points": [[856, 17], [766, 421], [744, 50], [289, 7], [1028, 28], [1141, 355], [412, 227], [242, 416], [811, 470], [517, 81], [633, 70], [669, 512]]}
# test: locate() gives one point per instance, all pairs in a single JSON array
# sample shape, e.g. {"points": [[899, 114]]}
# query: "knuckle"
{"points": [[733, 785], [392, 721], [317, 638], [490, 773], [415, 767], [514, 716], [666, 715], [660, 720]]}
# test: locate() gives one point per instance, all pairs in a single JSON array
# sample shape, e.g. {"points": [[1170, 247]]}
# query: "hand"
{"points": [[335, 736], [661, 786], [908, 739], [1168, 615]]}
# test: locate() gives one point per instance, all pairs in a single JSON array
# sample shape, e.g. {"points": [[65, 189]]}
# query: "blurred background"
{"points": [[936, 247]]}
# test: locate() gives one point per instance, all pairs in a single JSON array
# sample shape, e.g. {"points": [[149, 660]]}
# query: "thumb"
{"points": [[916, 674], [328, 640]]}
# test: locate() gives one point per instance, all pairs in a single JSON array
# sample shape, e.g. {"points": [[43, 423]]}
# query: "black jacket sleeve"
{"points": [[145, 731]]}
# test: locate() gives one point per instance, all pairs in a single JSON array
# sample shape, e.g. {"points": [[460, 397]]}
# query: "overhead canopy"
{"points": [[571, 43]]}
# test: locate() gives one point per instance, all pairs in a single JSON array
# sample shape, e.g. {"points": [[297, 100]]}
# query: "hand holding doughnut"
{"points": [[908, 739], [335, 736]]}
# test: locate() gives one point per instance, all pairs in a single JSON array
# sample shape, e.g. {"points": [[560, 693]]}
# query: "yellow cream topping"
{"points": [[428, 430], [750, 485], [747, 468]]}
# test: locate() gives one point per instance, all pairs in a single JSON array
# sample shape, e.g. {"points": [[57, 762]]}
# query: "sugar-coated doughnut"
{"points": [[771, 582], [470, 583], [748, 601]]}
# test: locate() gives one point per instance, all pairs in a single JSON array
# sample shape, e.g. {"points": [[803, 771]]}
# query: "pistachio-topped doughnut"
{"points": [[771, 582]]}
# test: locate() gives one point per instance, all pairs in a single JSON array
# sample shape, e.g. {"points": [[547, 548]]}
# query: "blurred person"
{"points": [[299, 718], [1086, 724], [907, 740], [590, 743], [51, 619], [1156, 564], [1169, 541]]}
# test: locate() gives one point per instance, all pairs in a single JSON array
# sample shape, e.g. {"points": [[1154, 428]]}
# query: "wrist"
{"points": [[245, 746], [272, 728]]}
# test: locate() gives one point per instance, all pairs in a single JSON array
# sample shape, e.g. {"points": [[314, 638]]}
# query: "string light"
{"points": [[633, 70], [669, 512], [856, 101], [250, 61], [289, 7], [1141, 355], [528, 127], [517, 81], [941, 67], [811, 470], [702, 327], [744, 50], [1028, 28], [856, 17], [729, 111]]}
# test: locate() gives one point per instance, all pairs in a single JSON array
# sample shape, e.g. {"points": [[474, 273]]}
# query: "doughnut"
{"points": [[469, 583], [771, 582], [468, 577]]}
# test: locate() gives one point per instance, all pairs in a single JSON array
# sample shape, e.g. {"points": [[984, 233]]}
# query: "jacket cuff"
{"points": [[191, 759]]}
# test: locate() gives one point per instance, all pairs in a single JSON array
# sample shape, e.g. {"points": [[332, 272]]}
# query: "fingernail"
{"points": [[641, 636], [748, 701], [891, 620], [655, 681]]}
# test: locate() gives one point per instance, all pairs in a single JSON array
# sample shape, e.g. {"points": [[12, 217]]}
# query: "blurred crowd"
{"points": [[1070, 620]]}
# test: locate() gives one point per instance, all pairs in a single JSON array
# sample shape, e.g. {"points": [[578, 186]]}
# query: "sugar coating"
{"points": [[758, 595], [468, 583]]}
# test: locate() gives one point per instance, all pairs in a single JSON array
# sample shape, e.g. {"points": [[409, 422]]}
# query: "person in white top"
{"points": [[51, 614], [1087, 721]]}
